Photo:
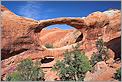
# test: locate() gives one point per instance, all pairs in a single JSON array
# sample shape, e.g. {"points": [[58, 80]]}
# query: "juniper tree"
{"points": [[27, 71], [101, 54], [118, 74], [73, 67]]}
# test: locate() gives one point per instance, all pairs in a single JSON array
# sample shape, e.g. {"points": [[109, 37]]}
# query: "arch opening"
{"points": [[60, 35], [115, 46], [47, 59], [7, 53], [60, 26], [80, 38]]}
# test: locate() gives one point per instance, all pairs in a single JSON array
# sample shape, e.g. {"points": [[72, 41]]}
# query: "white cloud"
{"points": [[31, 10]]}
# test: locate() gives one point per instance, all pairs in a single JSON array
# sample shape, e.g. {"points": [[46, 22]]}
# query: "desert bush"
{"points": [[118, 74], [15, 76], [101, 54], [49, 45], [73, 67], [27, 71]]}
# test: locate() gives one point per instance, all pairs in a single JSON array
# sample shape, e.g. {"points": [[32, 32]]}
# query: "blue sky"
{"points": [[41, 10]]}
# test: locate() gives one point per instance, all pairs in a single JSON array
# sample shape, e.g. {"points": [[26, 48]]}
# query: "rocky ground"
{"points": [[25, 38]]}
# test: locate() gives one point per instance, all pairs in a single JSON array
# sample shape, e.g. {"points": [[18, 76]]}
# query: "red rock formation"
{"points": [[23, 37], [15, 33], [48, 36], [102, 72]]}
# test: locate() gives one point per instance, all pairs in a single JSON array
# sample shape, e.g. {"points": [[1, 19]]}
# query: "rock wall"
{"points": [[21, 36]]}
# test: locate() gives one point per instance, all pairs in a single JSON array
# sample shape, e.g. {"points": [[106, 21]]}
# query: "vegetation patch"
{"points": [[118, 75], [49, 45], [101, 54], [27, 71], [73, 67]]}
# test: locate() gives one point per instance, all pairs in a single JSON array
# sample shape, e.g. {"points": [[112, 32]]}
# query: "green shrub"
{"points": [[73, 67], [118, 74], [101, 54], [15, 76], [27, 71], [49, 45]]}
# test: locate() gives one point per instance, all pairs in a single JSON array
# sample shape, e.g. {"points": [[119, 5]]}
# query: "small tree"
{"points": [[49, 45], [73, 67], [118, 74], [27, 71], [101, 54]]}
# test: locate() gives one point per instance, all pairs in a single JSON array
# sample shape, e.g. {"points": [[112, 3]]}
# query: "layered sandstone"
{"points": [[24, 38]]}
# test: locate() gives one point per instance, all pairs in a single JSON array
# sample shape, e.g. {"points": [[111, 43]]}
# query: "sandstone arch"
{"points": [[74, 22], [79, 23], [20, 34], [27, 38]]}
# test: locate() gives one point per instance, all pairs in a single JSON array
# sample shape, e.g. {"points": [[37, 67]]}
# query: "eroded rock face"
{"points": [[115, 45], [21, 36], [102, 72], [69, 38], [15, 34]]}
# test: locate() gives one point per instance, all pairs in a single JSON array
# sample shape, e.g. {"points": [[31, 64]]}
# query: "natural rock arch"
{"points": [[24, 35], [78, 23], [31, 37]]}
